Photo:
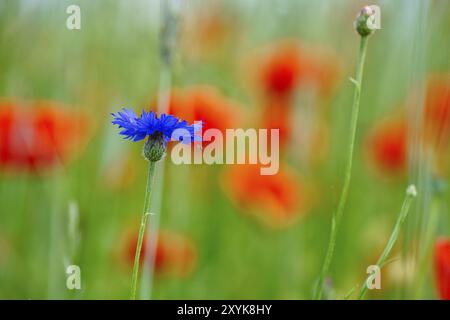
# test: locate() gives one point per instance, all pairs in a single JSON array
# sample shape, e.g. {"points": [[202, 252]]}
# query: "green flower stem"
{"points": [[146, 213], [411, 193], [425, 257], [348, 170]]}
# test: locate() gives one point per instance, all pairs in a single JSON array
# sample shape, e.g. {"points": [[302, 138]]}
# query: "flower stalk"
{"points": [[159, 130], [145, 214], [337, 215], [411, 193]]}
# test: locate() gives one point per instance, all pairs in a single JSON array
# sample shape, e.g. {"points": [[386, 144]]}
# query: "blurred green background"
{"points": [[86, 210]]}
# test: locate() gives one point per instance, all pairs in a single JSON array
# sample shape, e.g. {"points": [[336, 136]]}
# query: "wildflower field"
{"points": [[101, 198]]}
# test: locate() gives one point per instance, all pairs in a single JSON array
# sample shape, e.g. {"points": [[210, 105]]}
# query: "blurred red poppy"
{"points": [[286, 65], [278, 115], [204, 103], [387, 146], [442, 267], [437, 108], [280, 69], [277, 200], [39, 135], [175, 254]]}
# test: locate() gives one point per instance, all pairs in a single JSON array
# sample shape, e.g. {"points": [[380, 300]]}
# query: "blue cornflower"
{"points": [[159, 130]]}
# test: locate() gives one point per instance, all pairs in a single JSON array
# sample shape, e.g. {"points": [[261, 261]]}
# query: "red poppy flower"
{"points": [[175, 254], [437, 108], [281, 69], [387, 146], [40, 136], [204, 103], [308, 138], [277, 200], [442, 267], [284, 66], [278, 115]]}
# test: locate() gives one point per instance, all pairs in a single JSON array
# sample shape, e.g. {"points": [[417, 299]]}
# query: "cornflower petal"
{"points": [[138, 128]]}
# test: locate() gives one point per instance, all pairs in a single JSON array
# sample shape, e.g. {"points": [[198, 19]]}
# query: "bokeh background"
{"points": [[71, 190]]}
